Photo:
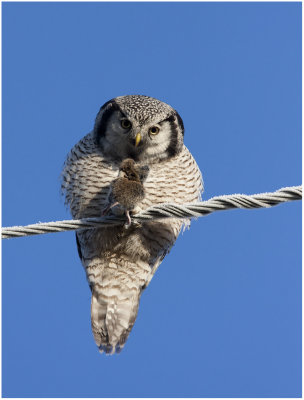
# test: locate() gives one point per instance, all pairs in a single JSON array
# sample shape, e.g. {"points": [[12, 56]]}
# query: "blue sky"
{"points": [[222, 316]]}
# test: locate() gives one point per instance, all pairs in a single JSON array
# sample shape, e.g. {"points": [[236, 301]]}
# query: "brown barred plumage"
{"points": [[120, 262]]}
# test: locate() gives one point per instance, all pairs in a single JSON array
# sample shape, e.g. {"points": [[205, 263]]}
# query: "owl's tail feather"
{"points": [[113, 313]]}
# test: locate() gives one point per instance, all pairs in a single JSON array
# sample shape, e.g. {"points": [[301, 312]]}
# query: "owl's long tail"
{"points": [[113, 312]]}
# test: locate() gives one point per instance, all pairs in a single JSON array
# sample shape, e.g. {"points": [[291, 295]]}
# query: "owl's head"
{"points": [[138, 127]]}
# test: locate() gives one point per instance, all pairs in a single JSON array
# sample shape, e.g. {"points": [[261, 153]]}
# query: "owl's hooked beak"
{"points": [[137, 139]]}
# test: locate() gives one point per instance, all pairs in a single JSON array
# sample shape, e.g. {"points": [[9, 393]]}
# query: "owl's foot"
{"points": [[136, 210]]}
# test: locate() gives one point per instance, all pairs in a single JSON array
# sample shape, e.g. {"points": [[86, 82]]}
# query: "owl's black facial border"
{"points": [[101, 123], [181, 123], [175, 145]]}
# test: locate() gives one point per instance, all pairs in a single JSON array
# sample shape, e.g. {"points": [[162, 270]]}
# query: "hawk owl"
{"points": [[119, 263]]}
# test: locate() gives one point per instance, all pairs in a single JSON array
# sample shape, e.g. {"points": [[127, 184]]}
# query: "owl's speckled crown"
{"points": [[144, 108]]}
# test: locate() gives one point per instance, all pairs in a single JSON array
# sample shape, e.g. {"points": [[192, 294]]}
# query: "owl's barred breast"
{"points": [[87, 176], [120, 262]]}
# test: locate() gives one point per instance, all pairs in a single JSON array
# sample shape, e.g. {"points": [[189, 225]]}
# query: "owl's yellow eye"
{"points": [[126, 124], [154, 130]]}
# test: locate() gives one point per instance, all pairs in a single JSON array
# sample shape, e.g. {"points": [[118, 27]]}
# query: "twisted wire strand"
{"points": [[161, 211]]}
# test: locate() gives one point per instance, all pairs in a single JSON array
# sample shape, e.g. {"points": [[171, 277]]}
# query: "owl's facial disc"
{"points": [[128, 132]]}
